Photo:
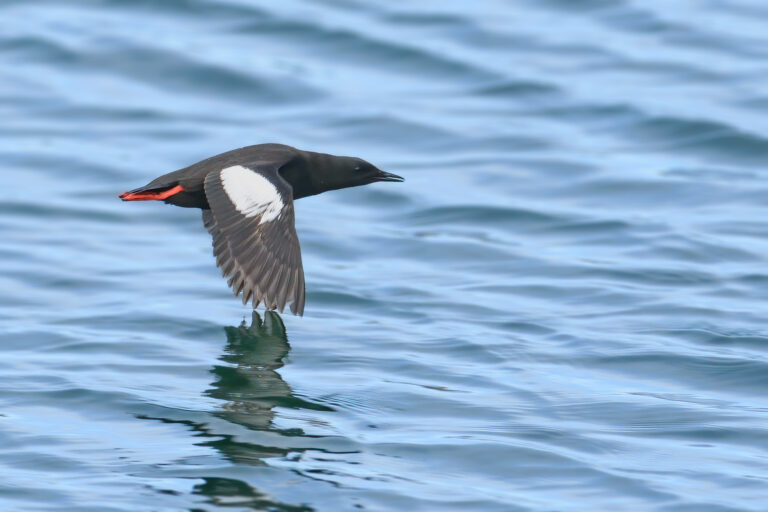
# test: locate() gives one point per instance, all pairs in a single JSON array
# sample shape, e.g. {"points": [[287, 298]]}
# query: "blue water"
{"points": [[563, 308]]}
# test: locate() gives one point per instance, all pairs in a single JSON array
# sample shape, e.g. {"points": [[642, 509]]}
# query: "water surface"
{"points": [[562, 308]]}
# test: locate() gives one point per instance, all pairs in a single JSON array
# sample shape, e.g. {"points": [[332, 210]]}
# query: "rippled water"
{"points": [[562, 309]]}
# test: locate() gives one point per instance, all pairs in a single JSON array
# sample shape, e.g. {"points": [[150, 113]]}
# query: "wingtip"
{"points": [[297, 309]]}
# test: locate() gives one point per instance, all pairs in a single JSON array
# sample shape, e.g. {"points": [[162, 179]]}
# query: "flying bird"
{"points": [[247, 199]]}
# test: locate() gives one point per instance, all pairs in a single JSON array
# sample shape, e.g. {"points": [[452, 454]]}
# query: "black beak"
{"points": [[386, 176]]}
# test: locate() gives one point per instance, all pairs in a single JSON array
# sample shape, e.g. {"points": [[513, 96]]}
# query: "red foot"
{"points": [[151, 196]]}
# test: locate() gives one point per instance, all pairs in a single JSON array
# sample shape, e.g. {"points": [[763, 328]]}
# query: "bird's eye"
{"points": [[357, 168]]}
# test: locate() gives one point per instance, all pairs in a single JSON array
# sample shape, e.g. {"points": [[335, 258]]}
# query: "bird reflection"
{"points": [[249, 387], [253, 387]]}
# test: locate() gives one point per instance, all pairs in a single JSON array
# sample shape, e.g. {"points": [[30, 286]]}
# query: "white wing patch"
{"points": [[251, 193]]}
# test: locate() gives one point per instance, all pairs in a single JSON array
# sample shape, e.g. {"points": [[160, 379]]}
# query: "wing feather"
{"points": [[255, 245]]}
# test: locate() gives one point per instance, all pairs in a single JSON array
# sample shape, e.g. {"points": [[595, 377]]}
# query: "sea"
{"points": [[563, 308]]}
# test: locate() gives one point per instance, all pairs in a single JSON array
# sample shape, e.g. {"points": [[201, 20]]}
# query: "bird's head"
{"points": [[314, 173], [360, 172]]}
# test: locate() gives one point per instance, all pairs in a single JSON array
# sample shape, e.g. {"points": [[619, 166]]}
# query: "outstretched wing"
{"points": [[254, 239]]}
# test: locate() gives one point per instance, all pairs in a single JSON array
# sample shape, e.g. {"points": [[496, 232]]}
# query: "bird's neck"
{"points": [[308, 173]]}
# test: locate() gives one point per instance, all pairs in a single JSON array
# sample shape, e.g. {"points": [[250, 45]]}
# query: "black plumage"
{"points": [[247, 200]]}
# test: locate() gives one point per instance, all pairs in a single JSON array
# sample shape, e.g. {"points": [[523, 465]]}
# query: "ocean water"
{"points": [[563, 308]]}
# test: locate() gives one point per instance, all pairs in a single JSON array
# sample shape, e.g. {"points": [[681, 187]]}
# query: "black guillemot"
{"points": [[247, 200]]}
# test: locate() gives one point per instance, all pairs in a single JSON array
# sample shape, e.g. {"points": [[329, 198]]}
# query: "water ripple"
{"points": [[562, 308]]}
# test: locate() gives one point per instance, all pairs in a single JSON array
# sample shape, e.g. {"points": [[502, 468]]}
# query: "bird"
{"points": [[246, 196]]}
